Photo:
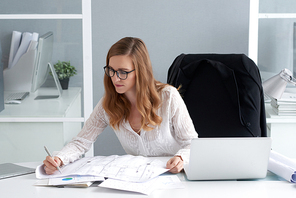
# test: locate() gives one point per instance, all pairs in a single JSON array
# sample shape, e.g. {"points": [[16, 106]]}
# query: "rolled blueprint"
{"points": [[282, 166]]}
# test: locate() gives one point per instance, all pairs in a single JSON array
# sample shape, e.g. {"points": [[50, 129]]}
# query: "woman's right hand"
{"points": [[50, 164]]}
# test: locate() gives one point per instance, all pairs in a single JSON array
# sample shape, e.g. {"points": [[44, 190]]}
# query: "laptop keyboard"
{"points": [[17, 96]]}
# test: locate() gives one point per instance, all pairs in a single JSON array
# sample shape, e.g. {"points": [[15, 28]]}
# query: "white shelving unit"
{"points": [[282, 129], [85, 17], [254, 18]]}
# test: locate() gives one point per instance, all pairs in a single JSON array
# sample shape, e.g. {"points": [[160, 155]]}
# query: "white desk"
{"points": [[23, 186], [27, 127]]}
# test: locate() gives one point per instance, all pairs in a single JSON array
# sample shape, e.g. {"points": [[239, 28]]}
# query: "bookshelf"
{"points": [[280, 128], [255, 17], [87, 93]]}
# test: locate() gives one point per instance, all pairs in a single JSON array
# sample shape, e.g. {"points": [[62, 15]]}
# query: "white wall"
{"points": [[169, 28]]}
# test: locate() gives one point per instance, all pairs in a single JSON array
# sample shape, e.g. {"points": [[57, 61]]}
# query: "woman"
{"points": [[148, 117]]}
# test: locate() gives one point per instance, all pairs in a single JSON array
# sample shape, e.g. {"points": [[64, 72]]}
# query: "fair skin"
{"points": [[128, 88]]}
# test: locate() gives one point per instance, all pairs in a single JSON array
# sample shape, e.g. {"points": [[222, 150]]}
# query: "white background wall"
{"points": [[169, 28]]}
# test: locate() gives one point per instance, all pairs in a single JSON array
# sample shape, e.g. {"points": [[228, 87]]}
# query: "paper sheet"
{"points": [[46, 183], [126, 167], [73, 179], [160, 182], [282, 166]]}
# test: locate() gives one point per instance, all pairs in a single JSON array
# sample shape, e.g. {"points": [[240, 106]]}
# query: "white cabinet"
{"points": [[27, 127], [282, 130]]}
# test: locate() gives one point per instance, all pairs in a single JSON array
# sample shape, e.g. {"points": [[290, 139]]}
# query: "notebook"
{"points": [[228, 158], [11, 170]]}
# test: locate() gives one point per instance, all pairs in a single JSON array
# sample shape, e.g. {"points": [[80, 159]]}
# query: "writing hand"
{"points": [[50, 164], [175, 164]]}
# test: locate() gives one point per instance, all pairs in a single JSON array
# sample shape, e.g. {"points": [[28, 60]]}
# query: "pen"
{"points": [[47, 151]]}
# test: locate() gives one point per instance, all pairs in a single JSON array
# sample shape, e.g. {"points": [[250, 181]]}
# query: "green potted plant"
{"points": [[64, 71]]}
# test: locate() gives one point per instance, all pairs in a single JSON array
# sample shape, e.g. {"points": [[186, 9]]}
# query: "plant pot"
{"points": [[64, 83]]}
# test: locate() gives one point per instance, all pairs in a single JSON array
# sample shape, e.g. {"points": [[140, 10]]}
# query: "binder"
{"points": [[15, 43]]}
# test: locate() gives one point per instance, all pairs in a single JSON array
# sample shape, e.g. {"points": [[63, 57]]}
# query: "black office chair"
{"points": [[222, 92]]}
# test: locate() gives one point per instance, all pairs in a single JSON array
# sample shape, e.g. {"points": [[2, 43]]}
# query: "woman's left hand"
{"points": [[175, 164]]}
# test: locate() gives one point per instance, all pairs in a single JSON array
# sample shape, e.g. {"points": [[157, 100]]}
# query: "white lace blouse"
{"points": [[172, 137]]}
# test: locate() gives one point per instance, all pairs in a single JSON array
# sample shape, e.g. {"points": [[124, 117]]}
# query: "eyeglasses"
{"points": [[120, 73]]}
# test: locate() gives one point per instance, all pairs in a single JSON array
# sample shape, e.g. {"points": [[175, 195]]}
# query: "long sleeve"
{"points": [[183, 128], [172, 137], [80, 144]]}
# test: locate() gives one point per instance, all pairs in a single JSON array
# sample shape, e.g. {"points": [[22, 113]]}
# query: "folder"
{"points": [[18, 75], [15, 43]]}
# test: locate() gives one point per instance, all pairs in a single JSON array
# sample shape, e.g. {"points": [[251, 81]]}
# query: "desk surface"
{"points": [[42, 108], [272, 186]]}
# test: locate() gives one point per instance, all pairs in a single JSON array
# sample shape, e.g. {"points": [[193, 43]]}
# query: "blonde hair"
{"points": [[148, 89]]}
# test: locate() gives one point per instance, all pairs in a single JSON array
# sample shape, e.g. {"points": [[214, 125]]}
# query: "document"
{"points": [[33, 45], [35, 36], [72, 180], [34, 42], [282, 166], [160, 182], [126, 168], [46, 183]]}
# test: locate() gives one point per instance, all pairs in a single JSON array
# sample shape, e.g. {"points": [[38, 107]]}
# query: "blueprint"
{"points": [[160, 182], [126, 168], [282, 166]]}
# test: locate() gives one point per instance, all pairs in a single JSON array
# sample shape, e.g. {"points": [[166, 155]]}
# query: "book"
{"points": [[284, 112], [286, 98], [286, 105]]}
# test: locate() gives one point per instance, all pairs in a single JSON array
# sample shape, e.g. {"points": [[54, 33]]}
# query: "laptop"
{"points": [[12, 170], [228, 158]]}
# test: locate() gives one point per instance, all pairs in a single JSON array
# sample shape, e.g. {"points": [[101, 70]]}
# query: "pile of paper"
{"points": [[127, 172], [286, 105], [126, 167], [20, 44]]}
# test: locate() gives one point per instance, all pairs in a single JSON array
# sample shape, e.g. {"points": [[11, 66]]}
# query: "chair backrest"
{"points": [[223, 94]]}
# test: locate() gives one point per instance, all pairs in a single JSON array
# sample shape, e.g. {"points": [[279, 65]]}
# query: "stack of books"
{"points": [[286, 105]]}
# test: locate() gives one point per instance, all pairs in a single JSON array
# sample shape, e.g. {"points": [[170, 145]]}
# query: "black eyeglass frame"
{"points": [[124, 72]]}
